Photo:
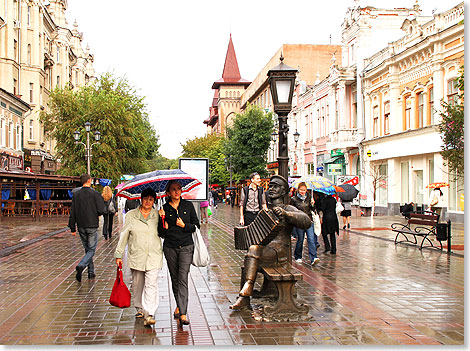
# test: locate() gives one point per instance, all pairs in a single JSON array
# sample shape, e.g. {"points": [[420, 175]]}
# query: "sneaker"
{"points": [[299, 260], [315, 261], [149, 320]]}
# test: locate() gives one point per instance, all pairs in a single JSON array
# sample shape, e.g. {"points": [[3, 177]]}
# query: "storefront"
{"points": [[39, 161]]}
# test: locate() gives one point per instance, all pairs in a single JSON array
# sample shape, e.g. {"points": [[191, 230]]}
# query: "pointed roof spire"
{"points": [[231, 73]]}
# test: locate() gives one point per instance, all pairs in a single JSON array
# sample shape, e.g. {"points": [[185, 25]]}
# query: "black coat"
{"points": [[330, 223]]}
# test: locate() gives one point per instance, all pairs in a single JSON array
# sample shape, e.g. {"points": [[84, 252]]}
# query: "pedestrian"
{"points": [[131, 205], [110, 206], [178, 220], [436, 201], [203, 206], [346, 214], [252, 200], [232, 198], [304, 202], [144, 255], [330, 225], [215, 196], [87, 206]]}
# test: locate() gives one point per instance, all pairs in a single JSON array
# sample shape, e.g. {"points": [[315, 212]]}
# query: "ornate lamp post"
{"points": [[281, 82], [88, 147]]}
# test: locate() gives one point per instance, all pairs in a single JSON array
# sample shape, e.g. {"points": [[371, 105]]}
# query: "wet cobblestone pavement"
{"points": [[371, 293]]}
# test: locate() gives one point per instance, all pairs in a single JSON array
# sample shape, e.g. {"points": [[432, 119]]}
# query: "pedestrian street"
{"points": [[371, 293]]}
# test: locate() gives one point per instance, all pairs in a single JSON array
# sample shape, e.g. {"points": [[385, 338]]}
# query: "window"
{"points": [[58, 53], [29, 15], [431, 105], [420, 114], [407, 112], [336, 110], [375, 127], [58, 81], [15, 50], [10, 135], [31, 92], [431, 171], [354, 109], [18, 137], [452, 90], [381, 194], [15, 86], [387, 118], [310, 168], [353, 58], [320, 125], [456, 193], [31, 129], [2, 132], [29, 54], [405, 185]]}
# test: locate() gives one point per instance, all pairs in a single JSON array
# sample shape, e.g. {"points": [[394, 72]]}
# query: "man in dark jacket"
{"points": [[252, 200], [87, 206]]}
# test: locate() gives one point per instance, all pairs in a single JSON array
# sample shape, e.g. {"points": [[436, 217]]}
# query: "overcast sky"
{"points": [[172, 51]]}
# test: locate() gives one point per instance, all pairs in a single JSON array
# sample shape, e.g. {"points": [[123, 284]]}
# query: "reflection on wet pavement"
{"points": [[371, 293]]}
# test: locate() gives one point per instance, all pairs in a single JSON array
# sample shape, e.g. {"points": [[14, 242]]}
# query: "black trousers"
{"points": [[108, 225], [179, 261], [328, 247], [249, 217]]}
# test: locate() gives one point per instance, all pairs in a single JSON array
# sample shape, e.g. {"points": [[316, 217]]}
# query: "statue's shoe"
{"points": [[242, 301]]}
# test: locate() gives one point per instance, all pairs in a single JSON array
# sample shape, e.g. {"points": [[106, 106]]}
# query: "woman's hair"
{"points": [[301, 184], [440, 191], [107, 193], [170, 183], [148, 192]]}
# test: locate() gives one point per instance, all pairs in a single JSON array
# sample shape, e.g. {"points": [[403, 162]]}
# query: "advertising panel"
{"points": [[199, 169]]}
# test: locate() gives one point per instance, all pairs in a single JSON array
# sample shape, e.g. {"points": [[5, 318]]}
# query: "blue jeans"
{"points": [[89, 237], [311, 241]]}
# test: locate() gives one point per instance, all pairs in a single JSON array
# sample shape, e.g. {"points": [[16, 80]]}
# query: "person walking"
{"points": [[346, 214], [178, 220], [203, 206], [110, 206], [436, 201], [330, 225], [252, 200], [87, 206], [144, 257], [304, 202]]}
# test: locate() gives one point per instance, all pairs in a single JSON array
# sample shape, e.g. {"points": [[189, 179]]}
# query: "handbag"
{"points": [[111, 206], [209, 211], [201, 255], [339, 207], [120, 295], [434, 201], [316, 223]]}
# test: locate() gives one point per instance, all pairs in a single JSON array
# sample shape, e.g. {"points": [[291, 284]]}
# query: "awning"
{"points": [[334, 159]]}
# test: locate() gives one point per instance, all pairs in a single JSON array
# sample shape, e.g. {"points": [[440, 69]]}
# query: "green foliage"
{"points": [[114, 109], [161, 162], [452, 131], [211, 147], [248, 141]]}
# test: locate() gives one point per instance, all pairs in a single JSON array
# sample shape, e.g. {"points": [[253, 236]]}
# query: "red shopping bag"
{"points": [[120, 296]]}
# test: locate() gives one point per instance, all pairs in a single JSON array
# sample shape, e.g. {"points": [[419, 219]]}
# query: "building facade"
{"points": [[37, 54], [404, 85]]}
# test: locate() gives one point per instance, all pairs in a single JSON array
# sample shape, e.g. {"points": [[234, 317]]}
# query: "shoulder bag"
{"points": [[316, 223], [339, 207], [120, 295], [201, 255], [111, 208]]}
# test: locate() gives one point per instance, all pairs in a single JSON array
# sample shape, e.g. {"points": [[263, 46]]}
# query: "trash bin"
{"points": [[441, 231]]}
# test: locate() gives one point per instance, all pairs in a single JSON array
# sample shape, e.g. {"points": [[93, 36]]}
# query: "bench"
{"points": [[284, 278], [422, 224]]}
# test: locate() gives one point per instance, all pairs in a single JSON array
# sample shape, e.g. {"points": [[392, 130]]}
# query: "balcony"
{"points": [[344, 139]]}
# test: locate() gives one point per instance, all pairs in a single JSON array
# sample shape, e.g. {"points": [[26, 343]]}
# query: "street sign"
{"points": [[369, 153], [335, 169]]}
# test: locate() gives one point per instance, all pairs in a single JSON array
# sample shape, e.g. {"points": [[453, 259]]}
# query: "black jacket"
{"points": [[131, 204], [304, 206], [176, 236], [87, 206]]}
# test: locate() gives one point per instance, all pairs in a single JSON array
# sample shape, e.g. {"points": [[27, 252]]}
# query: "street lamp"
{"points": [[228, 162], [281, 82], [88, 147], [296, 137]]}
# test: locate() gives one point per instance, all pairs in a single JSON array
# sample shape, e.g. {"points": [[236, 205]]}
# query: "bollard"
{"points": [[448, 237]]}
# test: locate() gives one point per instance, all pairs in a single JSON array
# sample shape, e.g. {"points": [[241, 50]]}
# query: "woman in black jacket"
{"points": [[178, 220], [330, 224]]}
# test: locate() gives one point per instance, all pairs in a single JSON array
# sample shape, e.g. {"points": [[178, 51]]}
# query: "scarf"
{"points": [[302, 197]]}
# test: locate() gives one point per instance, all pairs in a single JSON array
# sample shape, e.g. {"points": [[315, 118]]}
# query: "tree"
{"points": [[376, 178], [160, 162], [248, 141], [113, 107], [452, 131], [212, 147]]}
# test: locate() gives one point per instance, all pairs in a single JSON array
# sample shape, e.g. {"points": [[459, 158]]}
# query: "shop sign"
{"points": [[272, 165], [11, 162], [336, 152], [335, 169]]}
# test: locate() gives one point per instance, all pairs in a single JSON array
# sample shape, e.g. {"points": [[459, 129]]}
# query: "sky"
{"points": [[172, 51]]}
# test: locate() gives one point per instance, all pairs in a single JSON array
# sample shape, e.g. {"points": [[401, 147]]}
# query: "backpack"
{"points": [[111, 207]]}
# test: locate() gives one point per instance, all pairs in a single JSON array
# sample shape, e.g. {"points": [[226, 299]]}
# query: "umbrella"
{"points": [[157, 180], [314, 182], [350, 192], [330, 190], [437, 185]]}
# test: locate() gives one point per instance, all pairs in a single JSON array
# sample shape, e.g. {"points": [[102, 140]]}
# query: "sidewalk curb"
{"points": [[410, 245], [11, 249]]}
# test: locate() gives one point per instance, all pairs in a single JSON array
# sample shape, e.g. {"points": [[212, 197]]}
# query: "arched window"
{"points": [[31, 129]]}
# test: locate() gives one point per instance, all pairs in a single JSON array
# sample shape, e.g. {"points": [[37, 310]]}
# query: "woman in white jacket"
{"points": [[436, 201], [144, 257]]}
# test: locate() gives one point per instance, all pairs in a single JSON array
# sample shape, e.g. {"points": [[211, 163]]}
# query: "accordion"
{"points": [[259, 232]]}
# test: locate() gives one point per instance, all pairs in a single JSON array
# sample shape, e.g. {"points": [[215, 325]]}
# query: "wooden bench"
{"points": [[422, 224], [284, 278]]}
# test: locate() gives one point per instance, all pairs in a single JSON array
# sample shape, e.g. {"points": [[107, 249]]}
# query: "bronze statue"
{"points": [[276, 252]]}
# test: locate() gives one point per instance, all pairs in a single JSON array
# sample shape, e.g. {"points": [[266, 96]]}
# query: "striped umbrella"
{"points": [[313, 182], [157, 180]]}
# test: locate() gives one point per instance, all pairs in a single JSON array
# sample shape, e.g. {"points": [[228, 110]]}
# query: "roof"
{"points": [[231, 73]]}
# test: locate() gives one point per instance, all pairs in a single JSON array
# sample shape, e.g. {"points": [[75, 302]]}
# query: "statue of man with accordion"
{"points": [[272, 250]]}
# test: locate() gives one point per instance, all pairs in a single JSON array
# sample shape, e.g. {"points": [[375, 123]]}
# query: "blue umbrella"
{"points": [[157, 180]]}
